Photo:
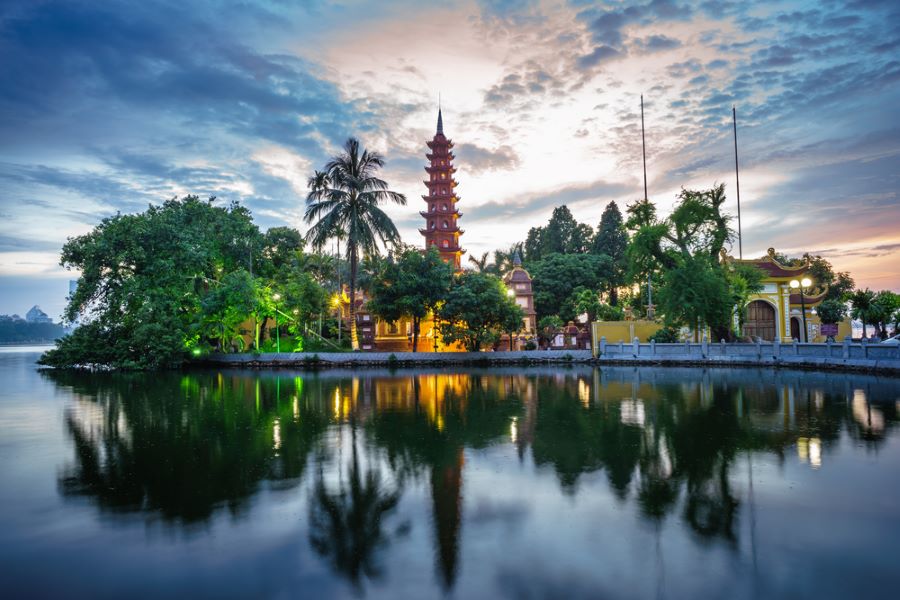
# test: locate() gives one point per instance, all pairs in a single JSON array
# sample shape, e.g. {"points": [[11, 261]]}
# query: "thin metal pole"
{"points": [[805, 335], [643, 147], [737, 181]]}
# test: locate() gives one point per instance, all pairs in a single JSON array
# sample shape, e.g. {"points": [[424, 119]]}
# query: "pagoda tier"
{"points": [[440, 169], [441, 182], [454, 229], [441, 229], [436, 213], [448, 156]]}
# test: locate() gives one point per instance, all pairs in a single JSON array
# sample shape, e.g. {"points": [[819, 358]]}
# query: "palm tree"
{"points": [[481, 264], [346, 204], [861, 304]]}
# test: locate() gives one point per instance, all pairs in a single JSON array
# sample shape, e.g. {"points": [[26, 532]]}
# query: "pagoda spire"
{"points": [[441, 229]]}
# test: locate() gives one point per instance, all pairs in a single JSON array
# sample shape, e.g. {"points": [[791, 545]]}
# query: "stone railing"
{"points": [[838, 356], [845, 354]]}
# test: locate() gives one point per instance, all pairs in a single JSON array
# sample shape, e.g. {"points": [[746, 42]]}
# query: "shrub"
{"points": [[666, 335]]}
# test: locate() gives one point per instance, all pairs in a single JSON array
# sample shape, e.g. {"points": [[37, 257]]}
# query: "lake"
{"points": [[475, 483]]}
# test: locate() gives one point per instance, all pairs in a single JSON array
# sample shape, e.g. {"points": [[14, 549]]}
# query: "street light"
{"points": [[276, 297], [802, 284]]}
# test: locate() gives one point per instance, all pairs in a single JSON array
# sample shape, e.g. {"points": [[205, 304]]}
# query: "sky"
{"points": [[110, 106]]}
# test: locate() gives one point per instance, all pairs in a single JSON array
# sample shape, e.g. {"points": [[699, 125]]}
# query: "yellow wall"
{"points": [[626, 331]]}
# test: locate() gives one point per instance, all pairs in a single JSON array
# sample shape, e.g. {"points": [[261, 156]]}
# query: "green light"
{"points": [[196, 351]]}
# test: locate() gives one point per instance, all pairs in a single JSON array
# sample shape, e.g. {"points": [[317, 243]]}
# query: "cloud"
{"points": [[534, 207], [475, 159], [598, 55], [657, 43]]}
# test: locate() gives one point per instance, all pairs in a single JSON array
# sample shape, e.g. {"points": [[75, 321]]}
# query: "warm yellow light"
{"points": [[276, 297], [336, 301], [795, 284], [510, 293], [806, 281]]}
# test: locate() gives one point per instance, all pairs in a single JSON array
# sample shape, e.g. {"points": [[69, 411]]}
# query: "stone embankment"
{"points": [[844, 356]]}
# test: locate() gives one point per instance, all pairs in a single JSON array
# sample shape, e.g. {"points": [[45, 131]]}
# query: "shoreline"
{"points": [[880, 365]]}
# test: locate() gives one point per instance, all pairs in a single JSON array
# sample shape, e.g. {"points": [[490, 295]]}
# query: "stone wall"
{"points": [[838, 356]]}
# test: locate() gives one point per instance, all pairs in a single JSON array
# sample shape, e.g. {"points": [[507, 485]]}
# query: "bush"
{"points": [[666, 335], [530, 345]]}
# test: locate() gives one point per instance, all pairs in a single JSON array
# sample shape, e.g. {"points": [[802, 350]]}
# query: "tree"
{"points": [[696, 289], [143, 277], [481, 264], [412, 286], [533, 244], [612, 240], [832, 311], [504, 260], [476, 309], [557, 276], [558, 234], [861, 305], [349, 203], [228, 304], [882, 311], [744, 280]]}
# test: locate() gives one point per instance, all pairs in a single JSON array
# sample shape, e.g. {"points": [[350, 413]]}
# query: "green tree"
{"points": [[883, 311], [411, 286], [744, 280], [481, 264], [696, 289], [348, 204], [504, 260], [558, 275], [533, 244], [861, 306], [143, 277], [476, 310], [612, 240], [832, 311], [228, 304]]}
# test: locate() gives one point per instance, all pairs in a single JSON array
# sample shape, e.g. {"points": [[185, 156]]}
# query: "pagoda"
{"points": [[441, 228]]}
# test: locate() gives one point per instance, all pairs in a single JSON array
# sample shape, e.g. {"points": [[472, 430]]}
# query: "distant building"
{"points": [[36, 315]]}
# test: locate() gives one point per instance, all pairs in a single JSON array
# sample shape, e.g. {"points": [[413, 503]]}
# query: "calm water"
{"points": [[580, 483]]}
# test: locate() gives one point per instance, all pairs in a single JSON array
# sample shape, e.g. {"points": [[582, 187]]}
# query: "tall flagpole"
{"points": [[643, 147], [737, 181], [644, 154]]}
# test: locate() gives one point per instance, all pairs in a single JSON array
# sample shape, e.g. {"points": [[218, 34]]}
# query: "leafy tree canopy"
{"points": [[411, 286], [612, 240], [477, 310], [142, 279], [558, 275]]}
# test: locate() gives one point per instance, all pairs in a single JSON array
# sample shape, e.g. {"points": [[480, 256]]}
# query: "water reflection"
{"points": [[180, 447]]}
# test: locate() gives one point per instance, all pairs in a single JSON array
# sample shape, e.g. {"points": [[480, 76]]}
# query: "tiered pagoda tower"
{"points": [[441, 228]]}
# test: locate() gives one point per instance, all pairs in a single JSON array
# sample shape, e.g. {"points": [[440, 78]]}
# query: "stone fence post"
{"points": [[652, 347], [636, 346], [865, 348], [776, 348], [602, 345], [704, 346], [846, 348]]}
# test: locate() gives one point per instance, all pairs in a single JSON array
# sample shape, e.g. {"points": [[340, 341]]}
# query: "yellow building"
{"points": [[776, 312]]}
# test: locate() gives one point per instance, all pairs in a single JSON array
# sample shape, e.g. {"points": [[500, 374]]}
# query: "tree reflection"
{"points": [[180, 446], [346, 524]]}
